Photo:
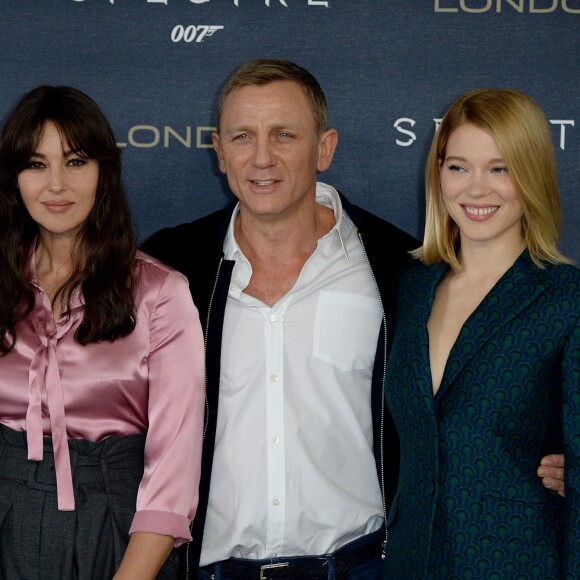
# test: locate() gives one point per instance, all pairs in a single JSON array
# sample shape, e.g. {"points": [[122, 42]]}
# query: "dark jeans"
{"points": [[371, 569]]}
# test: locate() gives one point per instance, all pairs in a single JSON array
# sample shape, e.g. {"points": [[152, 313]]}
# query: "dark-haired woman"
{"points": [[101, 373]]}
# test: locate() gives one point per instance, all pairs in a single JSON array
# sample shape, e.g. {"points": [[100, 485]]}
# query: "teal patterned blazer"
{"points": [[469, 503]]}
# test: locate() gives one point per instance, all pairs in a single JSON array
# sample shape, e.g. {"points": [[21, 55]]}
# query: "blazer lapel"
{"points": [[432, 275], [515, 290]]}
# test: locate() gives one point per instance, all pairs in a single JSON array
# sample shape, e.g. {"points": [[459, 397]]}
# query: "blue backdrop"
{"points": [[389, 69]]}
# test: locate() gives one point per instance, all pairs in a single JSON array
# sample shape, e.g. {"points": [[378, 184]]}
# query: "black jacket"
{"points": [[196, 250]]}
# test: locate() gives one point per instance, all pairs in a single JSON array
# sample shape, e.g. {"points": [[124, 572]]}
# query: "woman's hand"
{"points": [[551, 471]]}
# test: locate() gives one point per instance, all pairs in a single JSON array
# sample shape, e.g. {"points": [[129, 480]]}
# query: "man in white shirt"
{"points": [[292, 285]]}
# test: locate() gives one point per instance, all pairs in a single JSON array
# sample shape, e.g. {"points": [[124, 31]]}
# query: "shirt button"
{"points": [[275, 439], [276, 501], [272, 318], [232, 288], [274, 378], [45, 412]]}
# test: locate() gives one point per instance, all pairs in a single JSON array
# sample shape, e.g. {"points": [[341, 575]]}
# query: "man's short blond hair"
{"points": [[264, 71]]}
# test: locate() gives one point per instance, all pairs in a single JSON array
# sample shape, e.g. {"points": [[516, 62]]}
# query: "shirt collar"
{"points": [[325, 195]]}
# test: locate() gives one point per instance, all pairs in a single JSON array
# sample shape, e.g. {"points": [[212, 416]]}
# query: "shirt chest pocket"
{"points": [[346, 328]]}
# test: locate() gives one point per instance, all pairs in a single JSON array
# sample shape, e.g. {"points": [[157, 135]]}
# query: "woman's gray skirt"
{"points": [[38, 541]]}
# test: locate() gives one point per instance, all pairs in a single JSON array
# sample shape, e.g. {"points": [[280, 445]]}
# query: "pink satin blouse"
{"points": [[151, 381]]}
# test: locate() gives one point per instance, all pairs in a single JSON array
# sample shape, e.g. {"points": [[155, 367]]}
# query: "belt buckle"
{"points": [[271, 567]]}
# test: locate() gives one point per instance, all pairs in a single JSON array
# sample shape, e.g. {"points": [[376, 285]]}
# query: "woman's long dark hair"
{"points": [[104, 251]]}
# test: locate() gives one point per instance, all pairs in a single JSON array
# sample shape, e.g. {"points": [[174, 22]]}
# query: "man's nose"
{"points": [[263, 154]]}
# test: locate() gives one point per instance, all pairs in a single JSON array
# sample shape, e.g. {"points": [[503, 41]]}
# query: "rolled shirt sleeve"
{"points": [[168, 493]]}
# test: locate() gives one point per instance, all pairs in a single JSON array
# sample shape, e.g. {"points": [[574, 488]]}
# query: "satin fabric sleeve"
{"points": [[570, 426], [168, 493]]}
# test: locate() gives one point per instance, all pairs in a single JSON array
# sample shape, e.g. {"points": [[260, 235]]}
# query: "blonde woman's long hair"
{"points": [[522, 135]]}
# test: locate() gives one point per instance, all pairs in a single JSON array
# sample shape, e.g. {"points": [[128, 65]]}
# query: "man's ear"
{"points": [[326, 147], [217, 145]]}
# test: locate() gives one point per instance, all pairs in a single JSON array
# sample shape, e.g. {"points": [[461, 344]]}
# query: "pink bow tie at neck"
{"points": [[44, 372]]}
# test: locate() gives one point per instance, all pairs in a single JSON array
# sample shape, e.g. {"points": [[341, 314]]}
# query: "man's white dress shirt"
{"points": [[294, 471]]}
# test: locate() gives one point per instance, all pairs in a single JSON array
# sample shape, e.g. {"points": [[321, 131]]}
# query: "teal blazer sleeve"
{"points": [[571, 431]]}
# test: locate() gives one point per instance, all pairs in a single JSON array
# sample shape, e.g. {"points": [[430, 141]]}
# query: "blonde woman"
{"points": [[483, 377]]}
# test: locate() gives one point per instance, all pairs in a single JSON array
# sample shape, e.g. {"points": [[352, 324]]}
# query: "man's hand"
{"points": [[551, 471]]}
